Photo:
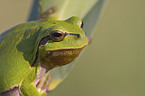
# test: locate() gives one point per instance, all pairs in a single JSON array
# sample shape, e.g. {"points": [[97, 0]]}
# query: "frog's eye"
{"points": [[57, 35]]}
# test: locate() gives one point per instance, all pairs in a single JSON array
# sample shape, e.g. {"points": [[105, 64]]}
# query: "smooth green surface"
{"points": [[114, 64]]}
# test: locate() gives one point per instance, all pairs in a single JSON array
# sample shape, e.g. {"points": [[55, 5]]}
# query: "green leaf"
{"points": [[88, 10], [34, 11], [67, 8], [91, 19]]}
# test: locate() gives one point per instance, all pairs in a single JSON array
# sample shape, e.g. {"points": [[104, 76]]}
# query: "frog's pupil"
{"points": [[57, 34]]}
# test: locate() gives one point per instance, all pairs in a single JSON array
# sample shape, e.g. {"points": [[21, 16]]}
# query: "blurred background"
{"points": [[114, 63]]}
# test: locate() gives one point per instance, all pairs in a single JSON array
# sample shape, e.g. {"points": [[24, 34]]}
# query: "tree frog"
{"points": [[29, 50]]}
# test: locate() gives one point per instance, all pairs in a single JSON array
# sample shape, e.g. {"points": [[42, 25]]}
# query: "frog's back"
{"points": [[17, 52]]}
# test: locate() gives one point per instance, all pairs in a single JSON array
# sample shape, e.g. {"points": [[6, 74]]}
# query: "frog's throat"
{"points": [[59, 57]]}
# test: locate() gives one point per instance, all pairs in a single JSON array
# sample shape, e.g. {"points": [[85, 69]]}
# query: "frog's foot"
{"points": [[44, 83], [47, 13]]}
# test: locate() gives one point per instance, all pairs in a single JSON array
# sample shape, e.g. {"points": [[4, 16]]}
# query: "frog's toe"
{"points": [[44, 83]]}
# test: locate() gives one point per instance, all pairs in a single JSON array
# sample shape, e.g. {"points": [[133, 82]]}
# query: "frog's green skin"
{"points": [[22, 55]]}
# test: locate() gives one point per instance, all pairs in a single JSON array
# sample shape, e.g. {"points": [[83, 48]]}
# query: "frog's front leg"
{"points": [[36, 83], [44, 83], [28, 87]]}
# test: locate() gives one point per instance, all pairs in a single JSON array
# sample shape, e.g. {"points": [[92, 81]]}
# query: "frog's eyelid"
{"points": [[77, 35]]}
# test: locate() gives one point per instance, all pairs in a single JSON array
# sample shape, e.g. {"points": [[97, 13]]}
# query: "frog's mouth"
{"points": [[60, 57]]}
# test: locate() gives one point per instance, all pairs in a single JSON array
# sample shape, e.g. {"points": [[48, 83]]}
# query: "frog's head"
{"points": [[63, 43]]}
